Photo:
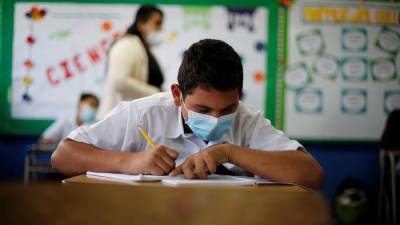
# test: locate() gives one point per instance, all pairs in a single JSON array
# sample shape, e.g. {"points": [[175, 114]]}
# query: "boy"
{"points": [[200, 126], [58, 131]]}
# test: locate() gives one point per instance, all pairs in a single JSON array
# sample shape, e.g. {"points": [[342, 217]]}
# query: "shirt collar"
{"points": [[176, 130]]}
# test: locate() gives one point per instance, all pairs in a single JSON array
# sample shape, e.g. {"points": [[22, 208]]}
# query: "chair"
{"points": [[389, 151], [33, 162]]}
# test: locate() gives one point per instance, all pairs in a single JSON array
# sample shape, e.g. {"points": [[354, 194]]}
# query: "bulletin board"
{"points": [[53, 51], [343, 70]]}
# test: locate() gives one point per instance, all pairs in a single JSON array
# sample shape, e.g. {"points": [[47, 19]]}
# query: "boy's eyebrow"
{"points": [[202, 106], [206, 107], [231, 106]]}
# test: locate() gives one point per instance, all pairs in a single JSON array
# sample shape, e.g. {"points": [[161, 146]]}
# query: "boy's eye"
{"points": [[204, 111], [226, 111]]}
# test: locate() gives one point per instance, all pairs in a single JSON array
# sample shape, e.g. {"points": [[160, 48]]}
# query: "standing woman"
{"points": [[133, 72]]}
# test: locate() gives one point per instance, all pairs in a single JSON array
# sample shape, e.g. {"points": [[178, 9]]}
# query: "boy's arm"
{"points": [[72, 158], [53, 133], [295, 166]]}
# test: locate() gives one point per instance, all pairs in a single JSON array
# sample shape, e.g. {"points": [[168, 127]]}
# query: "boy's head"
{"points": [[210, 79], [87, 108], [210, 64], [89, 99]]}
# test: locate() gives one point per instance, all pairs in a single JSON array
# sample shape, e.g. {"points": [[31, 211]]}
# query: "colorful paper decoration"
{"points": [[172, 37], [28, 64], [27, 81], [196, 16], [259, 77], [26, 97], [106, 26], [30, 40], [286, 3], [35, 14], [260, 46], [241, 17]]}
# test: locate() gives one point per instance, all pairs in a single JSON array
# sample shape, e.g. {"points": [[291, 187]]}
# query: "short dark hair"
{"points": [[85, 96], [142, 15], [211, 64]]}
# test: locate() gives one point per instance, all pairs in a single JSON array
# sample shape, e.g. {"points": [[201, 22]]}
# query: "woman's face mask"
{"points": [[207, 127], [154, 38]]}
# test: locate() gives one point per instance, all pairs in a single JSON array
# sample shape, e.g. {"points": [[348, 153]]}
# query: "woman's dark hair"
{"points": [[210, 64], [142, 15]]}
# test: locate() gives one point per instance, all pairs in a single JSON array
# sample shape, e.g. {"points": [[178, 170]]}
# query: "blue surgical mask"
{"points": [[207, 127], [87, 114]]}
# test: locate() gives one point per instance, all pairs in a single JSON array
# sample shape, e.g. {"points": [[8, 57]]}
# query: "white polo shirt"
{"points": [[60, 129], [162, 120]]}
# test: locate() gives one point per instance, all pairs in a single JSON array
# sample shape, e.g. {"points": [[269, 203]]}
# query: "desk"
{"points": [[82, 200], [83, 179]]}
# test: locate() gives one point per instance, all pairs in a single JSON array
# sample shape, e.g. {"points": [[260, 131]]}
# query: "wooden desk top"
{"points": [[84, 200], [83, 179]]}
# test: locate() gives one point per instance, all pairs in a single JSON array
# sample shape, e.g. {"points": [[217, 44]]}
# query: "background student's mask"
{"points": [[87, 114]]}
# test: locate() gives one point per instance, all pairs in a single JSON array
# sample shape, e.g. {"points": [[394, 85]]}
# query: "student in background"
{"points": [[133, 71], [200, 125], [59, 130]]}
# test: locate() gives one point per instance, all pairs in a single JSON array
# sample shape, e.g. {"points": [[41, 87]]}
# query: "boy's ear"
{"points": [[176, 94]]}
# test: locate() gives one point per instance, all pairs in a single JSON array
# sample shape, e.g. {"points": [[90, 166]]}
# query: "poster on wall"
{"points": [[60, 49], [349, 78]]}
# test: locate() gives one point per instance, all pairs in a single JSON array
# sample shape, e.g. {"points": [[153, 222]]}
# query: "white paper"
{"points": [[384, 70], [392, 100], [296, 77], [326, 67], [311, 42], [389, 41], [212, 180], [354, 39], [309, 101], [128, 177], [354, 100], [354, 69]]}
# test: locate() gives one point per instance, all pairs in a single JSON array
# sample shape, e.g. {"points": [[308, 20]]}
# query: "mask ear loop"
{"points": [[184, 105]]}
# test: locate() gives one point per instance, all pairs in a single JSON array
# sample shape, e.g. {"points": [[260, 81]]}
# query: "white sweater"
{"points": [[127, 74]]}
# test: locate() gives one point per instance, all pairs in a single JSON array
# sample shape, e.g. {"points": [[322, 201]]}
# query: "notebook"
{"points": [[126, 177], [212, 180]]}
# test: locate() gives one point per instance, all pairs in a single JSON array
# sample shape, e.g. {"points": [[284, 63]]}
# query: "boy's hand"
{"points": [[197, 165], [157, 160]]}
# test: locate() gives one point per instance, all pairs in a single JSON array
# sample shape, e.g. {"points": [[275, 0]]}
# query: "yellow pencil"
{"points": [[144, 134]]}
